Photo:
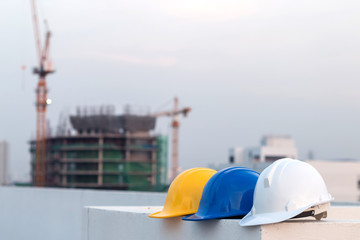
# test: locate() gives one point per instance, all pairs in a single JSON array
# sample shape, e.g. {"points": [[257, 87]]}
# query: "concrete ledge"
{"points": [[133, 223], [56, 214]]}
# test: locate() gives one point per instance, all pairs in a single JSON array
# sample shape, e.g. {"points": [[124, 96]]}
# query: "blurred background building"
{"points": [[272, 148], [342, 176], [105, 151], [4, 163]]}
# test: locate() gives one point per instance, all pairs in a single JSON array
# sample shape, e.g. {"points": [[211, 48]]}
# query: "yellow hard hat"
{"points": [[185, 192]]}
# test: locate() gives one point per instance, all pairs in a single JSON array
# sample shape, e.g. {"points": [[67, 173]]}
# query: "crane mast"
{"points": [[36, 30], [175, 133], [175, 144], [44, 68]]}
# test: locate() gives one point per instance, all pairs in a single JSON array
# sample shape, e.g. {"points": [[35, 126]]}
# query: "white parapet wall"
{"points": [[56, 214], [113, 223], [342, 178]]}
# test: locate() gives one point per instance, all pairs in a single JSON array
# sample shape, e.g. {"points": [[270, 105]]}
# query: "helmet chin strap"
{"points": [[317, 211]]}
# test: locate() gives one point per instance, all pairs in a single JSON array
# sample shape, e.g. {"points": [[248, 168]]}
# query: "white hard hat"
{"points": [[286, 189]]}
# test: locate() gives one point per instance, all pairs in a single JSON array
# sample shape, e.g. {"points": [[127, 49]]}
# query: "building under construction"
{"points": [[105, 151]]}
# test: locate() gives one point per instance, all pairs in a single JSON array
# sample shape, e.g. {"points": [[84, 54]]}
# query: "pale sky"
{"points": [[247, 68]]}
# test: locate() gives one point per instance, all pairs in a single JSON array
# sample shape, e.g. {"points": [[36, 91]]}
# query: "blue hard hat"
{"points": [[228, 193]]}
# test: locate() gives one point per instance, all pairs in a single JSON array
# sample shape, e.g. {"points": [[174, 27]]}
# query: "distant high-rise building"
{"points": [[4, 162]]}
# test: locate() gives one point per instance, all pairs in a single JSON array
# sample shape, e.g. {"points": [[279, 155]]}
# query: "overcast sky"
{"points": [[247, 68]]}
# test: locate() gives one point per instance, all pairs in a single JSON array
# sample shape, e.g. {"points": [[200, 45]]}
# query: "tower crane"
{"points": [[44, 68], [175, 132]]}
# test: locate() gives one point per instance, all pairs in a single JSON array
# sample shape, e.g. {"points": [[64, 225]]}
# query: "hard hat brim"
{"points": [[168, 215], [269, 218], [195, 217]]}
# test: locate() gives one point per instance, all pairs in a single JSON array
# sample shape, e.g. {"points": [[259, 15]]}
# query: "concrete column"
{"points": [[100, 164], [127, 151], [154, 162], [63, 169]]}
